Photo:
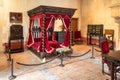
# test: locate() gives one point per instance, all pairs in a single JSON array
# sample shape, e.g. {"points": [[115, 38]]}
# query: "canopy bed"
{"points": [[42, 36]]}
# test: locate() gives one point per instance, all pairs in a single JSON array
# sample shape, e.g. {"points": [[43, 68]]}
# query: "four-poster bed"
{"points": [[42, 36]]}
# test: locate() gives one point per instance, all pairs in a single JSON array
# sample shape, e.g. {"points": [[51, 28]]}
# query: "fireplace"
{"points": [[115, 13]]}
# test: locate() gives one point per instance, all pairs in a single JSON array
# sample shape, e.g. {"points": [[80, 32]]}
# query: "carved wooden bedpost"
{"points": [[43, 38], [70, 34]]}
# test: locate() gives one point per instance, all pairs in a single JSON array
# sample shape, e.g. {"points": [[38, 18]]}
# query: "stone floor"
{"points": [[78, 68]]}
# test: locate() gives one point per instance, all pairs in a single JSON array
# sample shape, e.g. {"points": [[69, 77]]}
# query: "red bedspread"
{"points": [[37, 46]]}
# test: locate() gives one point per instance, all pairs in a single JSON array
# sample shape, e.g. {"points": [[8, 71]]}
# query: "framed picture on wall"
{"points": [[15, 17]]}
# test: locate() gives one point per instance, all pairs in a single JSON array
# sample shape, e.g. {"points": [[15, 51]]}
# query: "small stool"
{"points": [[62, 51]]}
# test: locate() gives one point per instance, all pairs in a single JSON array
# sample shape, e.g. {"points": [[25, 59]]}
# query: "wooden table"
{"points": [[114, 58]]}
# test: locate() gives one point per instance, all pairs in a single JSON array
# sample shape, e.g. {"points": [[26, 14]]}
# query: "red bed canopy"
{"points": [[46, 16]]}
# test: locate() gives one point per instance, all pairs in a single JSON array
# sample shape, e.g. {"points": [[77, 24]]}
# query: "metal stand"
{"points": [[61, 57], [9, 59], [92, 52], [12, 76]]}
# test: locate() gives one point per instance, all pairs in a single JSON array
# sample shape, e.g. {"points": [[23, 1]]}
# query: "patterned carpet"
{"points": [[79, 68]]}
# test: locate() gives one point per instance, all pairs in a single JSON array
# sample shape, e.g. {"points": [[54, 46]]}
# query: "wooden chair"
{"points": [[109, 34], [16, 39], [77, 37], [105, 50]]}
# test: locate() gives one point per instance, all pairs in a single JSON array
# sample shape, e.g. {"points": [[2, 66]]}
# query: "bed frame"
{"points": [[40, 34]]}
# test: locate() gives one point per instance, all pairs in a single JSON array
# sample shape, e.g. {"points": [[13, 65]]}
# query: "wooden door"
{"points": [[74, 27], [74, 24]]}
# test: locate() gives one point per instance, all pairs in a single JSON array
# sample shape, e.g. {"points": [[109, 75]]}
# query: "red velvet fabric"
{"points": [[30, 38], [50, 46], [77, 36], [50, 19], [66, 23], [105, 47], [35, 42], [105, 50], [37, 46], [37, 39], [54, 44]]}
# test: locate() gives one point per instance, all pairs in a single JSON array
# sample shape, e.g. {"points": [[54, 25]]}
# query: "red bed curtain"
{"points": [[30, 38], [49, 21], [66, 23]]}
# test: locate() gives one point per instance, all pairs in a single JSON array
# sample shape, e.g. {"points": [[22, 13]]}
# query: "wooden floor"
{"points": [[79, 68]]}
